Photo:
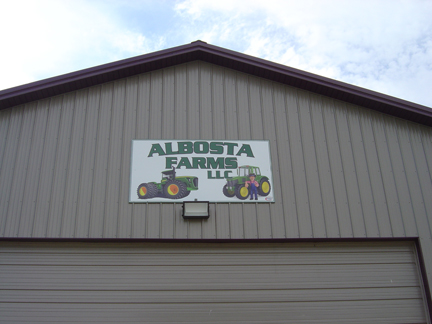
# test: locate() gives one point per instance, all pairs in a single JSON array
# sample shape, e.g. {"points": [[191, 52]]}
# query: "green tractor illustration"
{"points": [[236, 186], [171, 187]]}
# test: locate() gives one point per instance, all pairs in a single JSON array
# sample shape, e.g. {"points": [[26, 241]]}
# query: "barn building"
{"points": [[342, 233]]}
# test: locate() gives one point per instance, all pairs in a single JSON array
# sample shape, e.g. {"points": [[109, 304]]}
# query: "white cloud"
{"points": [[374, 44], [47, 38]]}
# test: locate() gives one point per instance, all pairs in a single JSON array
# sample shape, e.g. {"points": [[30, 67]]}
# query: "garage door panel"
{"points": [[402, 311], [210, 283], [275, 277], [206, 259], [205, 296]]}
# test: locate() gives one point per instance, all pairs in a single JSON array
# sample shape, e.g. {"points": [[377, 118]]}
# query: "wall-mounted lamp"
{"points": [[196, 209]]}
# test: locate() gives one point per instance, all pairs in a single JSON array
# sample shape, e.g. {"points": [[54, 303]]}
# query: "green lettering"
{"points": [[230, 146], [184, 162], [213, 163], [231, 163], [201, 147], [199, 162], [169, 161], [245, 149], [168, 149], [156, 148], [216, 148], [185, 147]]}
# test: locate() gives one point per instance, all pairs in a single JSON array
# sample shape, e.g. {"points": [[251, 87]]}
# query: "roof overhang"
{"points": [[216, 55]]}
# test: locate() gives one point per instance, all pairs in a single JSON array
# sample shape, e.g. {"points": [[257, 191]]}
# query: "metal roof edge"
{"points": [[199, 50]]}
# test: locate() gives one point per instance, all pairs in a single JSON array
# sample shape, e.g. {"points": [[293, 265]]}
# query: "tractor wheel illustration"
{"points": [[174, 189], [264, 187], [228, 192], [147, 190], [242, 192]]}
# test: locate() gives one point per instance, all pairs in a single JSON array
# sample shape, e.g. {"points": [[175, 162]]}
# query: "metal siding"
{"points": [[19, 179], [284, 221], [73, 172], [46, 180], [339, 184], [99, 189], [193, 282], [339, 170], [363, 174], [30, 190], [324, 168], [311, 166], [298, 166]]}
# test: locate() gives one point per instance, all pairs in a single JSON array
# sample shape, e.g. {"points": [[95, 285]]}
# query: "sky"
{"points": [[380, 45]]}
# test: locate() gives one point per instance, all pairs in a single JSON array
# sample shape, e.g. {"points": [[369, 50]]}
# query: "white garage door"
{"points": [[210, 283]]}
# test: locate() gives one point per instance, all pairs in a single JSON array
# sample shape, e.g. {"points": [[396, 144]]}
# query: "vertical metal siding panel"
{"points": [[130, 112], [400, 179], [194, 126], [271, 224], [244, 118], [4, 127], [426, 137], [142, 131], [230, 106], [363, 173], [423, 173], [264, 222], [61, 166], [324, 169], [88, 164], [8, 164], [153, 221], [168, 107], [20, 171], [44, 191], [138, 221], [236, 221], [142, 128], [256, 125], [167, 221], [74, 166], [336, 168], [30, 189], [193, 102], [387, 172], [222, 221], [114, 160], [250, 221], [311, 166], [375, 174], [350, 174], [5, 132], [156, 104], [219, 108], [298, 165], [99, 190], [284, 221], [206, 102], [180, 226], [180, 103], [209, 225], [413, 178]]}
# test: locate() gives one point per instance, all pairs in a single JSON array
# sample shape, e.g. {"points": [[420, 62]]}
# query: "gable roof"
{"points": [[223, 57]]}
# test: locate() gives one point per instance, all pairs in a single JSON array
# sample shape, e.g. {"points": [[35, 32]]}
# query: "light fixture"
{"points": [[196, 209]]}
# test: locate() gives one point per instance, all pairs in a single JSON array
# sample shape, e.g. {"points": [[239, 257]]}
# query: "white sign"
{"points": [[215, 171]]}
